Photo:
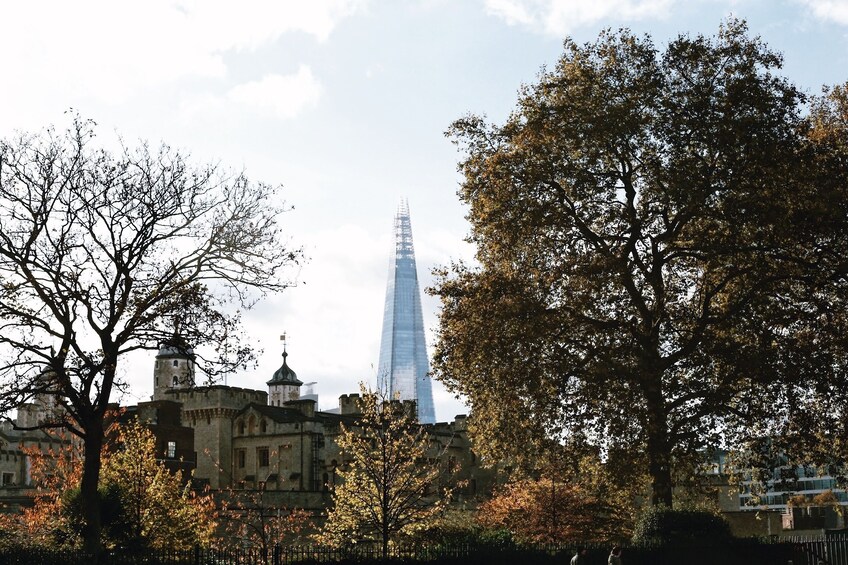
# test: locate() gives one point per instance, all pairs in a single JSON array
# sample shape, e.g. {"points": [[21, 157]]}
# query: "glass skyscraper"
{"points": [[404, 371]]}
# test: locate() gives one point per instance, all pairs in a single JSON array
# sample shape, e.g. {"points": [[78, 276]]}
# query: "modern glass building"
{"points": [[404, 371]]}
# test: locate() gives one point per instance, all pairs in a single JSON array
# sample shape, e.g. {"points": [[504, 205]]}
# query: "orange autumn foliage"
{"points": [[546, 511], [154, 508], [52, 470]]}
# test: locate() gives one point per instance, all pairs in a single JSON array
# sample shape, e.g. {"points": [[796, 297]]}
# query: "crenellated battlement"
{"points": [[217, 396]]}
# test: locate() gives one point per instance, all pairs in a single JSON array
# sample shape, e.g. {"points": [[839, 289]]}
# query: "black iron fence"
{"points": [[831, 550], [828, 550]]}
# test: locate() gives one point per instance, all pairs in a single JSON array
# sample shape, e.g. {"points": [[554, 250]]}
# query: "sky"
{"points": [[344, 103]]}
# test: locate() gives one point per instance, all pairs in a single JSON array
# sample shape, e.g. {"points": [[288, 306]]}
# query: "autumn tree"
{"points": [[144, 504], [46, 523], [575, 497], [255, 519], [660, 241], [814, 433], [390, 476], [105, 253], [549, 511], [159, 509]]}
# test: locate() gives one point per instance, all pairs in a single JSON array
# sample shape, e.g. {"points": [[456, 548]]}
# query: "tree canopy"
{"points": [[143, 504], [660, 237], [553, 511], [391, 475], [158, 508], [104, 253]]}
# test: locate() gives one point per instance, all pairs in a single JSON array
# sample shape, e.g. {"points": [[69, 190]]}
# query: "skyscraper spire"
{"points": [[403, 370]]}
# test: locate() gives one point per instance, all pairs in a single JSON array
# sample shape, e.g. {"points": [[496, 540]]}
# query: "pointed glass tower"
{"points": [[403, 370]]}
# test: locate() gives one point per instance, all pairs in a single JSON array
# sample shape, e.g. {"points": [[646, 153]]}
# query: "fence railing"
{"points": [[830, 550]]}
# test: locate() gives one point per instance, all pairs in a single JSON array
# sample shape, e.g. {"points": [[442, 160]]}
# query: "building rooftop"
{"points": [[284, 375]]}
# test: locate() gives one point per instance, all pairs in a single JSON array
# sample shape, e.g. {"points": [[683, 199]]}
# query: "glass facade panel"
{"points": [[403, 370]]}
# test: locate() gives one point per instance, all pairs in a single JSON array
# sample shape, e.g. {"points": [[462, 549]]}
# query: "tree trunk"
{"points": [[660, 470], [385, 543], [386, 480], [659, 450], [89, 495]]}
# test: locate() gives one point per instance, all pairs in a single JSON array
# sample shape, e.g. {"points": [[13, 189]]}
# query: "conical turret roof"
{"points": [[284, 375], [175, 346]]}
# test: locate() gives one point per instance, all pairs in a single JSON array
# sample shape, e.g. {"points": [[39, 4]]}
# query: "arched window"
{"points": [[251, 425], [176, 381], [263, 427], [240, 427], [176, 363]]}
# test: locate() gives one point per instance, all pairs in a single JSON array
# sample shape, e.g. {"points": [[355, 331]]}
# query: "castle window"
{"points": [[262, 456], [263, 427], [8, 478], [241, 427], [240, 458], [172, 449], [176, 363], [176, 381]]}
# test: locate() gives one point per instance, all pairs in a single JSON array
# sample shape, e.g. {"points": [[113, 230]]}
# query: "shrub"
{"points": [[663, 526]]}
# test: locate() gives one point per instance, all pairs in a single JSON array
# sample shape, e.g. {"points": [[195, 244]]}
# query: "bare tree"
{"points": [[105, 253]]}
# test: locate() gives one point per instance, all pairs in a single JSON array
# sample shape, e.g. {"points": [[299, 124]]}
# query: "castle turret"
{"points": [[43, 406], [284, 385], [350, 404], [174, 367]]}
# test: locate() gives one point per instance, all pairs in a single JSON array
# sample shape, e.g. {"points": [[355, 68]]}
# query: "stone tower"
{"points": [[174, 367], [403, 372], [284, 385], [43, 407]]}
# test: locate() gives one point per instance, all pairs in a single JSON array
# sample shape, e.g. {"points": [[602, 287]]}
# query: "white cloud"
{"points": [[101, 51], [281, 96], [274, 96], [333, 321], [832, 10], [511, 11], [560, 17]]}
